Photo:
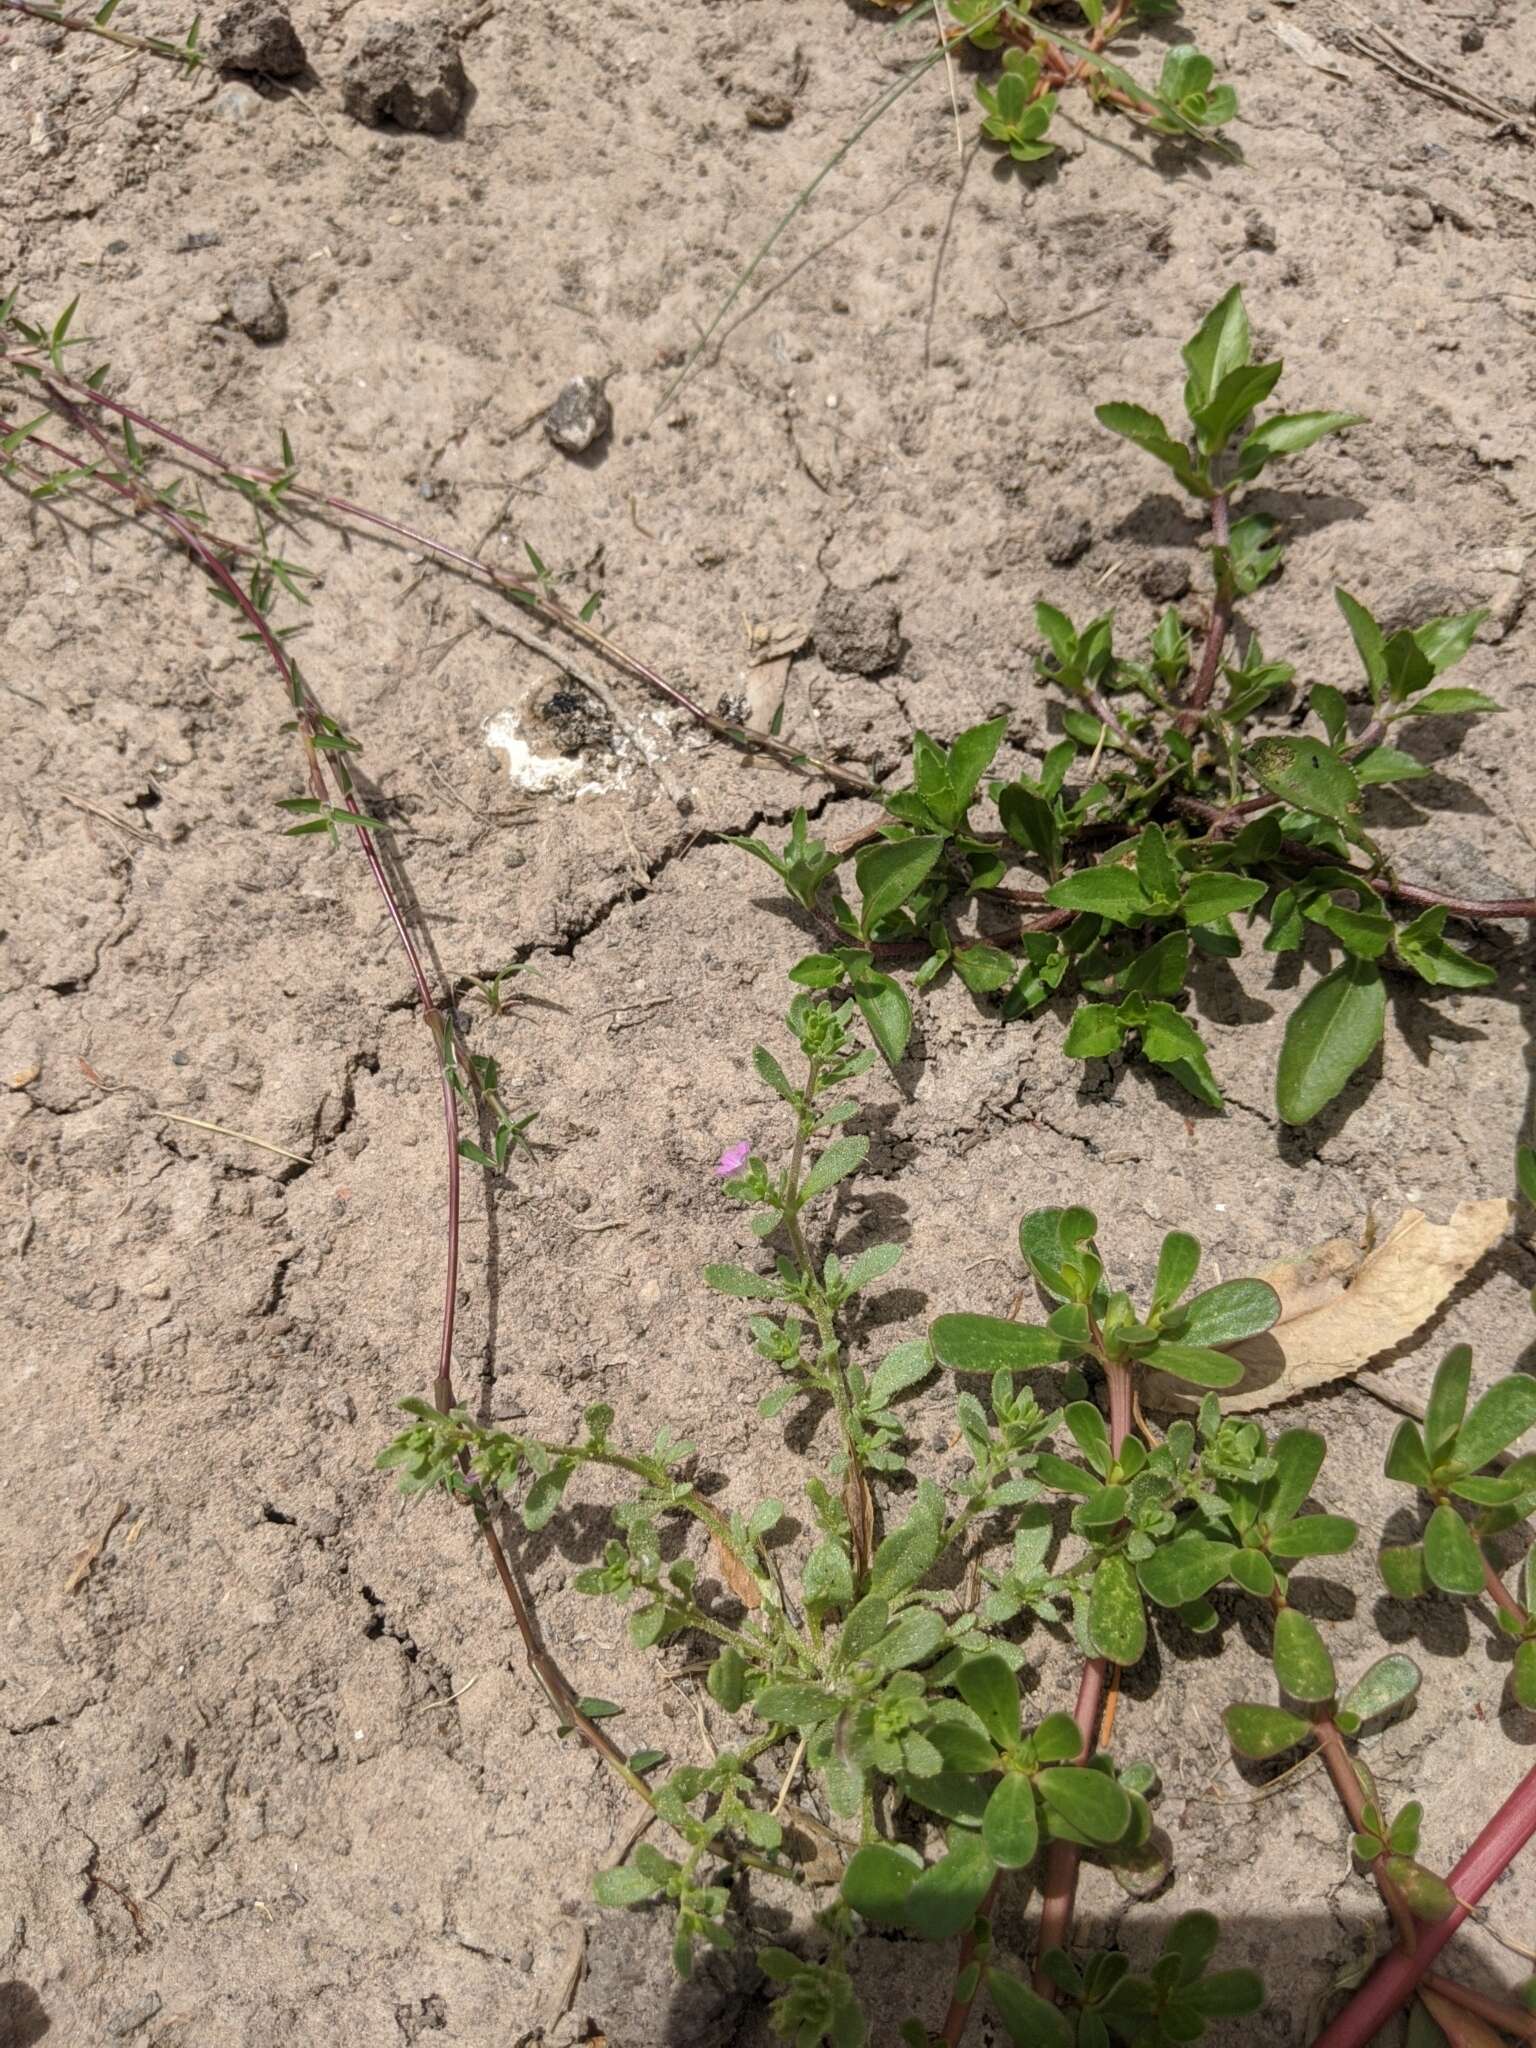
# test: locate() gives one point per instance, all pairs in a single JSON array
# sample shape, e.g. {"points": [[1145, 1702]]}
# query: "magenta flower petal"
{"points": [[733, 1159]]}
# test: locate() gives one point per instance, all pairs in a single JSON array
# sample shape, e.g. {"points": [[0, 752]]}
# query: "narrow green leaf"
{"points": [[1287, 433], [1447, 1401], [1308, 775], [884, 1007], [890, 872], [1504, 1413], [992, 1344], [1229, 1313], [1332, 1031], [842, 1157], [1029, 2020], [1219, 346], [1314, 1536], [1191, 1362], [1110, 891]]}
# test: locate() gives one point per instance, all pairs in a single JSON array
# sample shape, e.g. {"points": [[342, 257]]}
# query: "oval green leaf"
{"points": [[1010, 1828], [1302, 1663], [1333, 1030]]}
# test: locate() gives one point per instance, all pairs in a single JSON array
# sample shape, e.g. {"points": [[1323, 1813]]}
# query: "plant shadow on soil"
{"points": [[23, 2019]]}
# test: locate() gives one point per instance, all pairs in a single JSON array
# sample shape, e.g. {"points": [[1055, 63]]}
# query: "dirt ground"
{"points": [[271, 1771]]}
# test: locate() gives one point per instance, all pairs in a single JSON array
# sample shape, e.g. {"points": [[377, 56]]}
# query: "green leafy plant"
{"points": [[847, 1656], [1042, 61], [1170, 809]]}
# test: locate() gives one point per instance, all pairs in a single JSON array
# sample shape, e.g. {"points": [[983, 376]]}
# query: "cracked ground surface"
{"points": [[271, 1772]]}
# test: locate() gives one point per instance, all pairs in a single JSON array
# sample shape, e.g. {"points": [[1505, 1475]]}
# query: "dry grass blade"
{"points": [[735, 1574]]}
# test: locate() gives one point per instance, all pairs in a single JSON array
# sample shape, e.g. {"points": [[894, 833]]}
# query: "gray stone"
{"points": [[237, 103], [408, 73], [579, 416], [1065, 537], [256, 309], [129, 2018], [256, 35], [858, 631]]}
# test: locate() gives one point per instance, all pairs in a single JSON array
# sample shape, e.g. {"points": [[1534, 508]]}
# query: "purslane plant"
{"points": [[1191, 788], [1041, 61], [882, 1659]]}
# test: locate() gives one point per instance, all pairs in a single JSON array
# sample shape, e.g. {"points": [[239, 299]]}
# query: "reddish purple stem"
{"points": [[1392, 1983]]}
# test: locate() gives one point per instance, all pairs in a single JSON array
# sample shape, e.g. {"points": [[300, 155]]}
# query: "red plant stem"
{"points": [[540, 1664], [1392, 1982], [1330, 1743], [1501, 1596], [1509, 2019], [538, 601], [1216, 633], [1217, 816]]}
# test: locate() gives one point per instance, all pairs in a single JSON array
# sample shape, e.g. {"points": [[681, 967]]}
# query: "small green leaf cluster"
{"points": [[1458, 1459], [1041, 62], [1103, 2002], [1209, 817]]}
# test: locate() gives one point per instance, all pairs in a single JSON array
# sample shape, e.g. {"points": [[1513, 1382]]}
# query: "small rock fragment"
{"points": [[572, 718], [256, 35], [579, 416], [408, 73], [256, 309], [1165, 579], [237, 103], [1259, 233], [129, 2018], [858, 631], [770, 110], [1065, 537], [45, 138]]}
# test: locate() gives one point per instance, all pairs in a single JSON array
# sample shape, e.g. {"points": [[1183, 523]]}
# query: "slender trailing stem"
{"points": [[1219, 817], [87, 25], [1500, 1594], [1216, 632], [1391, 1984], [540, 601]]}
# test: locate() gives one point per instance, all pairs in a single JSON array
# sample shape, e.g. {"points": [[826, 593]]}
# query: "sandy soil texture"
{"points": [[271, 1771]]}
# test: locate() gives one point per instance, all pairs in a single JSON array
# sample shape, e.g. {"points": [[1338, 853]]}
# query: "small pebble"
{"points": [[858, 631], [237, 103], [256, 309], [129, 2018], [1065, 537], [580, 416]]}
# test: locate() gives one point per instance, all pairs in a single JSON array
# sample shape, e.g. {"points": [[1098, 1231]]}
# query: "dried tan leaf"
{"points": [[860, 1504], [85, 1559], [1309, 49], [1341, 1305], [736, 1574]]}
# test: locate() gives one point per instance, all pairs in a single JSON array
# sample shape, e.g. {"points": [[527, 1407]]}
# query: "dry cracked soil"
{"points": [[271, 1769]]}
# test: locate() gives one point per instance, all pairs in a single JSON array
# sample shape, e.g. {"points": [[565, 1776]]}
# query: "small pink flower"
{"points": [[733, 1159]]}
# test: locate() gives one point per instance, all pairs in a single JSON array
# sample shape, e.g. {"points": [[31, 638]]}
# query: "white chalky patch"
{"points": [[541, 774]]}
